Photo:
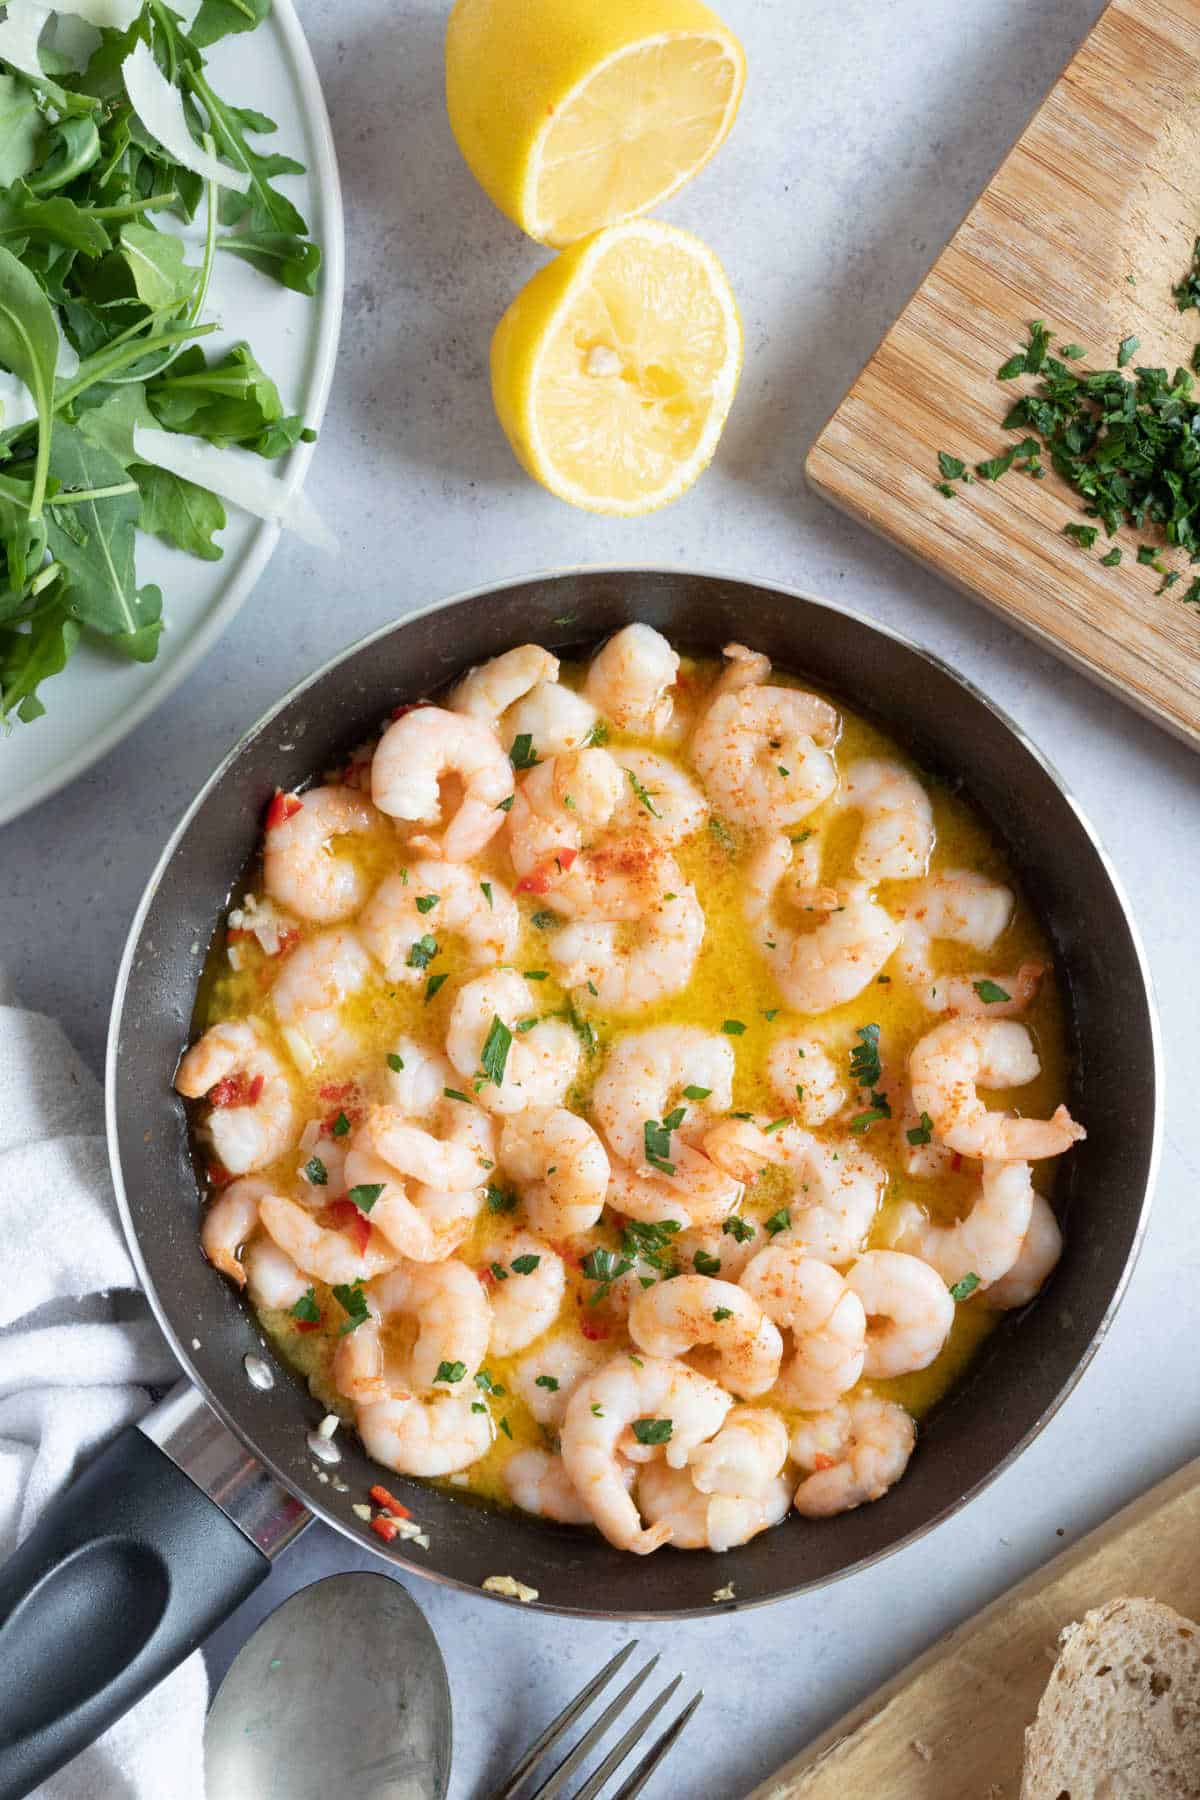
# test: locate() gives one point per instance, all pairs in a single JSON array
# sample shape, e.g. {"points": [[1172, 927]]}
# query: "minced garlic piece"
{"points": [[362, 1512], [510, 1587], [725, 1593]]}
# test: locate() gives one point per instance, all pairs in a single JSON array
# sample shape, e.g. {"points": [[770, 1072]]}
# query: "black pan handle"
{"points": [[120, 1580]]}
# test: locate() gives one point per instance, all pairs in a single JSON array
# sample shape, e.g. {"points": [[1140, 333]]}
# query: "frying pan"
{"points": [[179, 1518]]}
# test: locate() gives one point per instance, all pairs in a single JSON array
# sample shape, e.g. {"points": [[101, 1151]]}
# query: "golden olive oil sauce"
{"points": [[731, 985]]}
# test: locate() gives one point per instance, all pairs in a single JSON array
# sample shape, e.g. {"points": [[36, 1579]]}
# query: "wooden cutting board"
{"points": [[1102, 187], [951, 1726]]}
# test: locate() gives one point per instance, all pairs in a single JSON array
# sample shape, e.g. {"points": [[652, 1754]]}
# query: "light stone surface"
{"points": [[867, 129]]}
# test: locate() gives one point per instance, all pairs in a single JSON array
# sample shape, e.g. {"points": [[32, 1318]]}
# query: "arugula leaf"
{"points": [[55, 221], [294, 261], [20, 129], [230, 401], [29, 347], [179, 511], [92, 537], [155, 260], [218, 18], [31, 655]]}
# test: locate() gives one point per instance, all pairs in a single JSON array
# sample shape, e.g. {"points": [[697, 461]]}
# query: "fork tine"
{"points": [[565, 1719], [620, 1750], [554, 1784], [658, 1751]]}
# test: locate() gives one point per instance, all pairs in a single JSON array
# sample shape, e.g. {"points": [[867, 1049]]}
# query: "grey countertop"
{"points": [[867, 129]]}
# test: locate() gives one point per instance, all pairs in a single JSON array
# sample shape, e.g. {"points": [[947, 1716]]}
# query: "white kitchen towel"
{"points": [[78, 1351]]}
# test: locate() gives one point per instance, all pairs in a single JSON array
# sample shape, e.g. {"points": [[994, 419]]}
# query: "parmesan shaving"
{"points": [[160, 108], [19, 34], [239, 476], [105, 15]]}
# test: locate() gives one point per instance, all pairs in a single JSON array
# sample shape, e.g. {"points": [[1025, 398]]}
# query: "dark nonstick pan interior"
{"points": [[1028, 1365]]}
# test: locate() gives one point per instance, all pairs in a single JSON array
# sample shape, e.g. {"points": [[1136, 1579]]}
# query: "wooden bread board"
{"points": [[951, 1726], [1101, 188]]}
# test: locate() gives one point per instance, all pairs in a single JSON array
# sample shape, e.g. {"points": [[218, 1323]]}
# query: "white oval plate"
{"points": [[98, 700]]}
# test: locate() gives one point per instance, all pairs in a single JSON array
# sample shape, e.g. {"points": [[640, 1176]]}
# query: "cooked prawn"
{"points": [[445, 1157], [451, 1312], [708, 1198], [743, 668], [542, 1059], [626, 968], [602, 1412], [439, 900], [699, 1247], [896, 838], [547, 1376], [253, 1118], [1036, 1260], [560, 1167], [763, 754], [310, 990], [538, 1482], [805, 1078], [630, 680], [987, 1240], [699, 1521], [301, 871], [746, 1455], [562, 802], [527, 1285], [487, 691], [645, 1078], [229, 1222], [909, 1311], [657, 797], [272, 1278], [961, 907], [835, 1185], [673, 1317], [424, 1437], [554, 718], [825, 1317], [421, 750], [856, 1453], [324, 1252], [951, 1062], [850, 940], [408, 1215]]}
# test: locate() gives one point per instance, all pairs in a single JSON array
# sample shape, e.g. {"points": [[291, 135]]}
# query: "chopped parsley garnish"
{"points": [[537, 974], [499, 1271], [501, 1200], [739, 1229], [456, 1094], [770, 1013], [485, 888], [548, 1382], [504, 805], [306, 1309], [779, 1221], [432, 986], [656, 1140], [1084, 535], [962, 1290], [450, 1372], [696, 1093], [506, 1428], [864, 1058], [316, 1172], [733, 1027], [340, 1126], [648, 1243], [365, 1195], [776, 1125], [644, 795], [597, 1410], [427, 902], [951, 467], [652, 1431], [523, 755], [525, 1265], [395, 1063], [922, 1133], [597, 736], [722, 1313], [422, 952], [1128, 349], [483, 1380], [704, 1264], [545, 921], [353, 1302], [722, 833], [496, 1047], [605, 1267], [990, 992]]}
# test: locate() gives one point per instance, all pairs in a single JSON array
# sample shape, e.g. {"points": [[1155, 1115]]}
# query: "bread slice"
{"points": [[1120, 1717]]}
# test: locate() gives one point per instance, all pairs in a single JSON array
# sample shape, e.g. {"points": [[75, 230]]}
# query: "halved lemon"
{"points": [[614, 369], [574, 114]]}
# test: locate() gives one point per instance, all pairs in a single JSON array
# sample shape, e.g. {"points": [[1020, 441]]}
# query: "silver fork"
{"points": [[555, 1783]]}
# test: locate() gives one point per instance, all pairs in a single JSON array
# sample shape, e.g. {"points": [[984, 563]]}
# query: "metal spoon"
{"points": [[342, 1690]]}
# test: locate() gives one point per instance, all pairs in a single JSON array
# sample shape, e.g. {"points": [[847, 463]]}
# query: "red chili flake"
{"points": [[308, 1324], [540, 882], [237, 1090], [343, 1215], [593, 1331], [565, 858], [338, 1090], [956, 1162], [384, 1527], [282, 808], [235, 932], [486, 1278], [219, 1176], [821, 1461], [389, 1502], [398, 712], [287, 941]]}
